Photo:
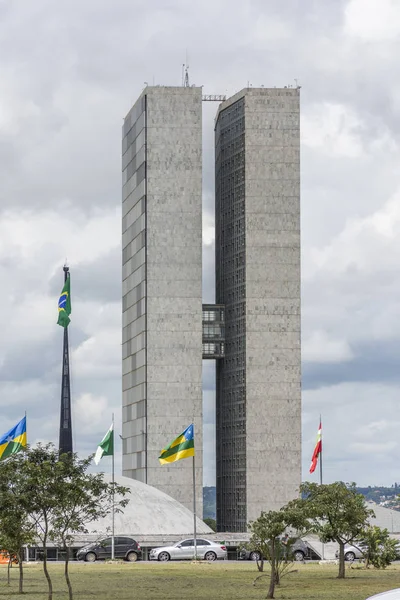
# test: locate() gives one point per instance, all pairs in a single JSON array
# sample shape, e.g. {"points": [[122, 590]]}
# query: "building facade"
{"points": [[162, 295], [253, 330], [257, 215]]}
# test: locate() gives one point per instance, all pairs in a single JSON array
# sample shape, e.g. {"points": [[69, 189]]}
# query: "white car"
{"points": [[185, 551], [352, 552], [390, 595]]}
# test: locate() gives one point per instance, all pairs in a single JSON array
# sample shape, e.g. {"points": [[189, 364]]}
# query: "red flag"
{"points": [[317, 449]]}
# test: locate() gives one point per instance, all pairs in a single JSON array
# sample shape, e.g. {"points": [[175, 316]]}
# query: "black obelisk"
{"points": [[65, 444]]}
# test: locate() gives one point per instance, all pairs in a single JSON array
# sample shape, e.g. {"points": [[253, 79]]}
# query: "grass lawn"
{"points": [[201, 581]]}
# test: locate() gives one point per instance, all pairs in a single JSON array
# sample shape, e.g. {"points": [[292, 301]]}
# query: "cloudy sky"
{"points": [[69, 72]]}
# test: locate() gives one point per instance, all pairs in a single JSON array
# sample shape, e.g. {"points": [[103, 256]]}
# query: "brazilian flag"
{"points": [[181, 447], [64, 304], [14, 440]]}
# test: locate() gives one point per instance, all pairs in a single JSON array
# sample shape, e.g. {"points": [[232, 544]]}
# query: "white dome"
{"points": [[149, 512]]}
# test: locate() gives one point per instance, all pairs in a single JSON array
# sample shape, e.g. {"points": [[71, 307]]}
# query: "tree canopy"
{"points": [[337, 513], [54, 498]]}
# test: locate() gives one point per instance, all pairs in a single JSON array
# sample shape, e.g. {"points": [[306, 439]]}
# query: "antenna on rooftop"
{"points": [[185, 72], [185, 76]]}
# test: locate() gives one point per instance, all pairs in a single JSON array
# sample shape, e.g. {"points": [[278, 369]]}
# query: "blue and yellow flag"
{"points": [[64, 304], [181, 447], [14, 440]]}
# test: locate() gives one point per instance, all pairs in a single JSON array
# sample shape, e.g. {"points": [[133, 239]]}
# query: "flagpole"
{"points": [[320, 473], [194, 508], [113, 511], [320, 455]]}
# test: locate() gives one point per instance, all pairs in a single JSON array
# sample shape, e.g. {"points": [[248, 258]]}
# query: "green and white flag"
{"points": [[106, 446]]}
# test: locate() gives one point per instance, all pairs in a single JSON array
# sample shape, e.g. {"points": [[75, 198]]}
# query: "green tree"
{"points": [[265, 538], [378, 547], [338, 513], [42, 475], [83, 499], [212, 523], [16, 530]]}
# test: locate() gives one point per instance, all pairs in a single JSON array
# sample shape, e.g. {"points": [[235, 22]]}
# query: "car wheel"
{"points": [[255, 556], [350, 556], [298, 556], [132, 556], [163, 556], [90, 557], [210, 556]]}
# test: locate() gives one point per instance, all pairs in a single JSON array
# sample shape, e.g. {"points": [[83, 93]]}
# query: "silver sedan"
{"points": [[352, 552], [185, 551]]}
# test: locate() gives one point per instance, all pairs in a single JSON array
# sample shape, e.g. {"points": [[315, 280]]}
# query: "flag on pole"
{"points": [[64, 304], [317, 449], [106, 446], [181, 447], [14, 440]]}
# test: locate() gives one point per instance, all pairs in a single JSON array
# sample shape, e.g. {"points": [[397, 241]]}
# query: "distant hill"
{"points": [[386, 496]]}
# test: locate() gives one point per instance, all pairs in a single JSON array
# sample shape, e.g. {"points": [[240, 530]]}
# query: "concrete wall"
{"points": [[273, 359], [173, 264], [264, 223], [134, 292]]}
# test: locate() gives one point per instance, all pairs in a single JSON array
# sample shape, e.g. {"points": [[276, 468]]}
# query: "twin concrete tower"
{"points": [[253, 330]]}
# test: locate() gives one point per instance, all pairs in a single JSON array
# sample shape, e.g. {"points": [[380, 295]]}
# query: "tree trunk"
{"points": [[21, 573], [342, 572], [45, 569], [272, 580], [66, 574], [260, 564], [8, 570]]}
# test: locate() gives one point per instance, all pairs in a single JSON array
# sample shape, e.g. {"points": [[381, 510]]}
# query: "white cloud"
{"points": [[333, 129], [373, 20], [99, 356], [381, 448], [208, 229], [319, 347], [91, 411]]}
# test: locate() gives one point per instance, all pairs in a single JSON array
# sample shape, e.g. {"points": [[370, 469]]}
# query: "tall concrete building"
{"points": [[253, 330], [162, 296], [258, 421]]}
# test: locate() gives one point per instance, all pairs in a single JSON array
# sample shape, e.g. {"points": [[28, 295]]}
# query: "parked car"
{"points": [[390, 595], [184, 550], [300, 550], [124, 547], [352, 552]]}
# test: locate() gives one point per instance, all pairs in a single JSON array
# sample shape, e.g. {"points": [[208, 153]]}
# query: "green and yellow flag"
{"points": [[64, 304], [14, 440], [182, 447]]}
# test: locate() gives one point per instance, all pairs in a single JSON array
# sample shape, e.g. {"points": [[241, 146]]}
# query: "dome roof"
{"points": [[385, 517], [149, 512]]}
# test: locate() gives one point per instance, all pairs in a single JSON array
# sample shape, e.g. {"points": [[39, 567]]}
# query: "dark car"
{"points": [[299, 550], [124, 547]]}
